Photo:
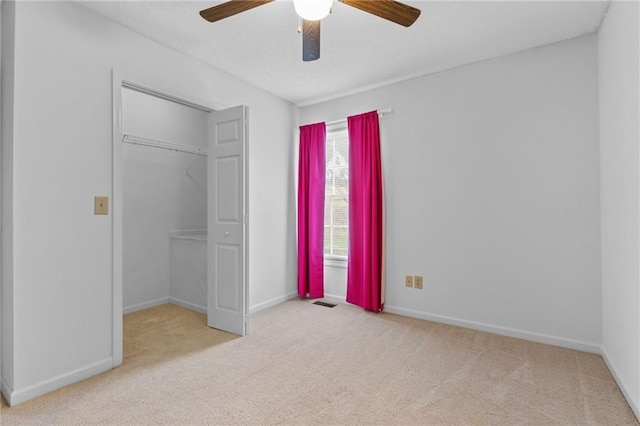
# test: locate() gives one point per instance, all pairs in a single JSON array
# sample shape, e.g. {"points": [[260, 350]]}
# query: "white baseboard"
{"points": [[188, 305], [520, 334], [272, 302], [541, 338], [633, 404], [5, 389], [18, 396], [145, 305]]}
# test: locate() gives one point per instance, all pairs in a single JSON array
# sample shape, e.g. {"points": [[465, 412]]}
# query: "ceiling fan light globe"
{"points": [[312, 10]]}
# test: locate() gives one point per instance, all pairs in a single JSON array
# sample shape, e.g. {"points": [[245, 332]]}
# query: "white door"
{"points": [[226, 194]]}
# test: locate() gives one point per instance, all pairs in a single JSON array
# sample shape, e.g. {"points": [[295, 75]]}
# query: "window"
{"points": [[336, 205]]}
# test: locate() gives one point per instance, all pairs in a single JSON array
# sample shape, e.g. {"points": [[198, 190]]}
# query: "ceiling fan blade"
{"points": [[310, 40], [390, 10], [230, 8]]}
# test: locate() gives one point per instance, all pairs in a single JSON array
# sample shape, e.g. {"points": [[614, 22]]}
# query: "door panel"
{"points": [[226, 180], [227, 258], [229, 205]]}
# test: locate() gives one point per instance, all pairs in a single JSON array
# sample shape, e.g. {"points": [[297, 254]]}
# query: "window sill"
{"points": [[337, 262]]}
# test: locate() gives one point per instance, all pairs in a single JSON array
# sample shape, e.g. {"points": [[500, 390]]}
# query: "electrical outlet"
{"points": [[408, 281], [418, 280]]}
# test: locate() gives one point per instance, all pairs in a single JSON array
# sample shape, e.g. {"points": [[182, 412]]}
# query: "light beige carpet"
{"points": [[306, 364]]}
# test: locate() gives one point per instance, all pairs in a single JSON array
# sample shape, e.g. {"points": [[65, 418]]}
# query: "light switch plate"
{"points": [[101, 205]]}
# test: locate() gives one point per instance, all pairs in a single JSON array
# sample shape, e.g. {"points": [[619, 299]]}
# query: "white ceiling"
{"points": [[358, 50]]}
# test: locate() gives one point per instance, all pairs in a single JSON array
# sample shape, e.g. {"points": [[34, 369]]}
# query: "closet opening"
{"points": [[164, 224], [179, 222], [164, 220]]}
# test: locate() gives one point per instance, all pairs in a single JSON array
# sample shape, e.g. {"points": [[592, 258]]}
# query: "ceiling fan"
{"points": [[313, 11]]}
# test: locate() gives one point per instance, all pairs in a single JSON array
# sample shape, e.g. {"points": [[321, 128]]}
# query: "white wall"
{"points": [[62, 253], [1, 121], [158, 196], [188, 270], [6, 157], [335, 280], [0, 191], [619, 167], [492, 192]]}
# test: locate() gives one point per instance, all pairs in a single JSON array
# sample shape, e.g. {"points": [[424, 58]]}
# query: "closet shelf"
{"points": [[169, 146]]}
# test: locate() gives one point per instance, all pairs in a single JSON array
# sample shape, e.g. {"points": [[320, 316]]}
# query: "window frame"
{"points": [[332, 259]]}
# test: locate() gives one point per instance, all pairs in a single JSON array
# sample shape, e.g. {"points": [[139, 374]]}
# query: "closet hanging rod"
{"points": [[169, 146]]}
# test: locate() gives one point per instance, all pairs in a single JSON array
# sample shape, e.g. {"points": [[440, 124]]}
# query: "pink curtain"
{"points": [[311, 181], [366, 233]]}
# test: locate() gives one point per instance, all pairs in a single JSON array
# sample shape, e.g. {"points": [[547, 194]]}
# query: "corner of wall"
{"points": [[0, 202], [619, 96], [292, 211], [633, 404], [7, 51]]}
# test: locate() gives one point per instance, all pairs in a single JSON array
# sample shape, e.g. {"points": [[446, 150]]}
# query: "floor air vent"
{"points": [[325, 304]]}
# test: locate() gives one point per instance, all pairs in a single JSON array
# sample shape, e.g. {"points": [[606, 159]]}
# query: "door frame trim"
{"points": [[118, 82]]}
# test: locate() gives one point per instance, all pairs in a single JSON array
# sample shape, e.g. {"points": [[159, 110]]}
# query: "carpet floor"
{"points": [[307, 364]]}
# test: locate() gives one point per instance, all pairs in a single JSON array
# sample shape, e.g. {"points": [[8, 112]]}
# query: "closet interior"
{"points": [[164, 203]]}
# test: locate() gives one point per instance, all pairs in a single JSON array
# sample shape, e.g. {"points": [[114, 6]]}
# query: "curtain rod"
{"points": [[381, 113]]}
